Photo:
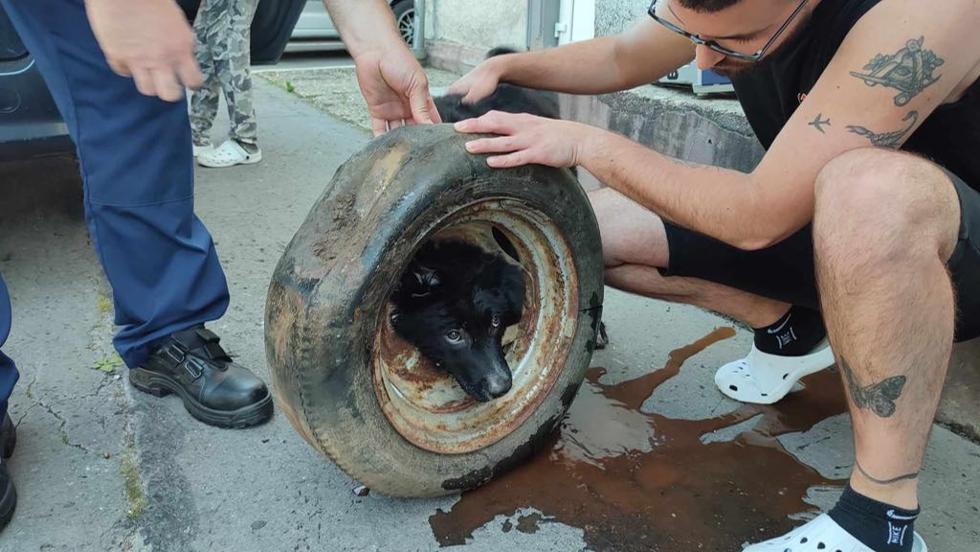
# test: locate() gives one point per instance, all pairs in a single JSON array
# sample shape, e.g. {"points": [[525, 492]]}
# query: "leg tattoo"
{"points": [[870, 477], [878, 397]]}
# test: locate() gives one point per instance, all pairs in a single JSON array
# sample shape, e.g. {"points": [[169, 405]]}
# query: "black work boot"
{"points": [[214, 389], [8, 495]]}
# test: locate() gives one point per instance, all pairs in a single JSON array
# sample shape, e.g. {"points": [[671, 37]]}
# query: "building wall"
{"points": [[615, 16], [477, 23]]}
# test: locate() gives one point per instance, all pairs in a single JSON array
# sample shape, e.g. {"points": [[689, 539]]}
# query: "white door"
{"points": [[576, 21]]}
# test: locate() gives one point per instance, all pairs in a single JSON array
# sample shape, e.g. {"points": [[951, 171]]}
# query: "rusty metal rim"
{"points": [[426, 407]]}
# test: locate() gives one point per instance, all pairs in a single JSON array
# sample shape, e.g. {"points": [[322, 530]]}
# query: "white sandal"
{"points": [[228, 154], [198, 150], [822, 534], [764, 378]]}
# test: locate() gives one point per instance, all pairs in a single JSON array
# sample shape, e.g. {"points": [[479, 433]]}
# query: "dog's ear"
{"points": [[512, 280], [425, 280]]}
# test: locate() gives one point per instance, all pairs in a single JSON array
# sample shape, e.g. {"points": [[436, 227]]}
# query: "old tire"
{"points": [[327, 329]]}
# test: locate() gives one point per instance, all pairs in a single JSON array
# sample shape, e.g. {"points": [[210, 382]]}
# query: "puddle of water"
{"points": [[637, 481]]}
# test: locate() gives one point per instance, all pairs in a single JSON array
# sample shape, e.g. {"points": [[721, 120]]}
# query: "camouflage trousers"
{"points": [[222, 29]]}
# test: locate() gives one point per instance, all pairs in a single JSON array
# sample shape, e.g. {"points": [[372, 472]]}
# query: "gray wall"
{"points": [[479, 24], [615, 16]]}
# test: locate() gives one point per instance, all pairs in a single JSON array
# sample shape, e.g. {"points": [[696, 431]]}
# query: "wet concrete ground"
{"points": [[652, 456]]}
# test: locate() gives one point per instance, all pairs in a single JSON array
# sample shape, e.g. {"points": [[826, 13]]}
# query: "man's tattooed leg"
{"points": [[878, 397]]}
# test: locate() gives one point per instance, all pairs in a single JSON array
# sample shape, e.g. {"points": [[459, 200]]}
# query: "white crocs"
{"points": [[228, 154], [822, 534], [198, 150], [764, 378]]}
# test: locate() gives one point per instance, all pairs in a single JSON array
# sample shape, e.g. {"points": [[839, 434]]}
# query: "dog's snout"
{"points": [[497, 385]]}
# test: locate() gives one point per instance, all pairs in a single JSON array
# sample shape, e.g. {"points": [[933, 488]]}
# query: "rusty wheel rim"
{"points": [[426, 406]]}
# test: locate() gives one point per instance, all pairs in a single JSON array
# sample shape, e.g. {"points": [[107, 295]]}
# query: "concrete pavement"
{"points": [[102, 467]]}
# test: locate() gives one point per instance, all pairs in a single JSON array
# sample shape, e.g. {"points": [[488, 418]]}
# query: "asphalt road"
{"points": [[99, 466]]}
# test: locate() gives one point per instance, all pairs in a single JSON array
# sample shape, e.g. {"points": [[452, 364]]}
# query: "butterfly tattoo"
{"points": [[878, 397]]}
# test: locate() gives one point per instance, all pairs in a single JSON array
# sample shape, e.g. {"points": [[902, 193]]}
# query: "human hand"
{"points": [[526, 139], [480, 82], [395, 87], [148, 40]]}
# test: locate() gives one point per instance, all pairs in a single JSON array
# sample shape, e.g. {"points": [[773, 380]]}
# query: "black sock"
{"points": [[795, 334], [881, 527]]}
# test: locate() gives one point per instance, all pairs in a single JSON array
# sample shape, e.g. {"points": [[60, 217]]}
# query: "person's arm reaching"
{"points": [[391, 79], [844, 111], [148, 40], [641, 55]]}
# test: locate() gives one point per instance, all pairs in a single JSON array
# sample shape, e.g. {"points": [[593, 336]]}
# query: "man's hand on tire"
{"points": [[395, 88]]}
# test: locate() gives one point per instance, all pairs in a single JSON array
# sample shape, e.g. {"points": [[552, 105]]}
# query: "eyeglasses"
{"points": [[711, 44]]}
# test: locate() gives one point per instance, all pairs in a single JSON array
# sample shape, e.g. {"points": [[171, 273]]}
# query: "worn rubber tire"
{"points": [[333, 281]]}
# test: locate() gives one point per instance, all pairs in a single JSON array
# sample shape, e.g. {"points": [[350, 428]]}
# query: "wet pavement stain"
{"points": [[637, 481]]}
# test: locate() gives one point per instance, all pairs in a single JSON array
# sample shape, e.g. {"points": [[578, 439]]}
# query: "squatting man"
{"points": [[864, 213]]}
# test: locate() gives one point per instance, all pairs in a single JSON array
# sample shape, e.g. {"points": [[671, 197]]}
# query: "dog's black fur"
{"points": [[507, 97], [453, 303], [454, 289]]}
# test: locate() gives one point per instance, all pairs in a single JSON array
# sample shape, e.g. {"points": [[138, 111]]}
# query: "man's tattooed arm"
{"points": [[878, 397], [887, 139], [819, 122], [910, 70]]}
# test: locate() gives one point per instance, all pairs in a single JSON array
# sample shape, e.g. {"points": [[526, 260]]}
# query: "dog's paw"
{"points": [[601, 338]]}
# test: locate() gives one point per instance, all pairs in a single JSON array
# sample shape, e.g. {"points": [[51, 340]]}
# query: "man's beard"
{"points": [[730, 67]]}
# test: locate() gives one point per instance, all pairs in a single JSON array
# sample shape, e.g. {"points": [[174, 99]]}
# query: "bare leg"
{"points": [[634, 245], [884, 227]]}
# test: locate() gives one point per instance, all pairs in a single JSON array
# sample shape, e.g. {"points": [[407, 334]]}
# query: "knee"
{"points": [[630, 234], [602, 201], [872, 201]]}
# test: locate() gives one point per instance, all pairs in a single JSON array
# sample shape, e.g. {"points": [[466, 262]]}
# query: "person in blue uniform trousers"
{"points": [[117, 70], [136, 165]]}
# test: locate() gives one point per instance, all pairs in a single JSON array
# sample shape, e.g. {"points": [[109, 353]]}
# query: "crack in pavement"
{"points": [[62, 422]]}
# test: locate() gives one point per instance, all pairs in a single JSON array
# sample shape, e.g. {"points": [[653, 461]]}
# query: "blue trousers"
{"points": [[137, 167]]}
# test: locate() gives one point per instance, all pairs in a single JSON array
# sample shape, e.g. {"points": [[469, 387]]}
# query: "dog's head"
{"points": [[506, 97], [453, 303]]}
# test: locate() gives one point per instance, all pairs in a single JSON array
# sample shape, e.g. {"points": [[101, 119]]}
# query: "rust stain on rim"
{"points": [[425, 405]]}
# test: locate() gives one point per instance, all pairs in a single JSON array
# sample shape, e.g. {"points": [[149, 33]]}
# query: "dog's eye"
{"points": [[454, 336], [495, 321]]}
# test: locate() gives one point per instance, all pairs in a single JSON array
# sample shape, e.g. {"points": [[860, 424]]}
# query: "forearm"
{"points": [[641, 55], [725, 204], [577, 68], [363, 24]]}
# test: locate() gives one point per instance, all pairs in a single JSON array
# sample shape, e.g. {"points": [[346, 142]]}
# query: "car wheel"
{"points": [[365, 398], [405, 19]]}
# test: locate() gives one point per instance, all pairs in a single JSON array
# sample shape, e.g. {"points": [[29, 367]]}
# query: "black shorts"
{"points": [[785, 271]]}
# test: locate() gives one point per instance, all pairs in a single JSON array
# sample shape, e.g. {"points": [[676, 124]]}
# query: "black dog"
{"points": [[453, 303], [455, 300], [512, 99], [507, 97]]}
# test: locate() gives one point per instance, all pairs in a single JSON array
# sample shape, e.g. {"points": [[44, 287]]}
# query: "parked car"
{"points": [[315, 31], [30, 124]]}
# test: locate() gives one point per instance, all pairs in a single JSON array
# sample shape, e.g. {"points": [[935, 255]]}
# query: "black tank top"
{"points": [[771, 92]]}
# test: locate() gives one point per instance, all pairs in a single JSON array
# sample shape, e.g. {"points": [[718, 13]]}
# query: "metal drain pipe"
{"points": [[418, 40]]}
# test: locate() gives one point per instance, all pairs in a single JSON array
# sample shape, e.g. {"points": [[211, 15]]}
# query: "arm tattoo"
{"points": [[910, 70], [886, 139], [912, 475], [818, 123], [878, 397]]}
